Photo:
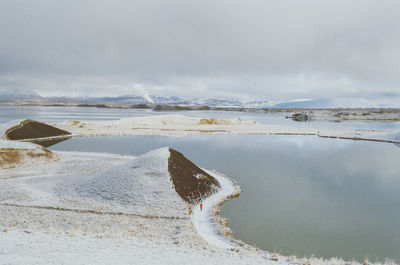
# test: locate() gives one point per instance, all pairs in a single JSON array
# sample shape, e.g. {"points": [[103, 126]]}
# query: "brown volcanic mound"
{"points": [[29, 129], [191, 182]]}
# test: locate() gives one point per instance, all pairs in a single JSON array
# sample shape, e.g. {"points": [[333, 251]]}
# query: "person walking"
{"points": [[201, 206]]}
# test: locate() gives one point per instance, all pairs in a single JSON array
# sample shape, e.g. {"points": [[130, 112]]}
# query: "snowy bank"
{"points": [[122, 208], [97, 200], [203, 219], [180, 125], [118, 208], [19, 154]]}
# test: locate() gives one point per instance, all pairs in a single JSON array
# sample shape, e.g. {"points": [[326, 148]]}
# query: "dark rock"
{"points": [[300, 117]]}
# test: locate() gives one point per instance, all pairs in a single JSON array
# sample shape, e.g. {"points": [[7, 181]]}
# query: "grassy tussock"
{"points": [[78, 123], [213, 121], [227, 231], [75, 122]]}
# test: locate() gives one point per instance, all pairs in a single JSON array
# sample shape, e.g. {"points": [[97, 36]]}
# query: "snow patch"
{"points": [[18, 145], [198, 176]]}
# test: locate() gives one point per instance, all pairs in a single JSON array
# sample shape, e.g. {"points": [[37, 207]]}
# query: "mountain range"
{"points": [[18, 97]]}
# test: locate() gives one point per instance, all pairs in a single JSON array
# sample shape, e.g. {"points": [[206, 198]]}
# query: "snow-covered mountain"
{"points": [[150, 101], [340, 103], [16, 94], [130, 100], [319, 103]]}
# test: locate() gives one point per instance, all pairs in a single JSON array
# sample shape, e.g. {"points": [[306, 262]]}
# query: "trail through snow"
{"points": [[202, 219]]}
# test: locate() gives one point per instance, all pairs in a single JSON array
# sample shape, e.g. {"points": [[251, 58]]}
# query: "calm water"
{"points": [[58, 114], [300, 195]]}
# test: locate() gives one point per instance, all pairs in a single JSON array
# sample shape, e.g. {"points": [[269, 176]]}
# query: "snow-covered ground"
{"points": [[179, 125], [16, 154], [203, 218], [18, 247], [86, 201], [92, 208], [18, 145], [100, 183]]}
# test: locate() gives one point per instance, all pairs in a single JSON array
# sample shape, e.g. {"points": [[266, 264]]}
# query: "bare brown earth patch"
{"points": [[29, 129], [191, 182], [10, 157]]}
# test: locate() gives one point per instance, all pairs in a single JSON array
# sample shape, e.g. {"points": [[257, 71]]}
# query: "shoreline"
{"points": [[215, 224], [200, 133], [214, 227], [206, 220], [180, 125], [220, 227]]}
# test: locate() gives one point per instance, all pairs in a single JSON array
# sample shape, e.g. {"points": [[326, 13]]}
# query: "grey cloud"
{"points": [[259, 48]]}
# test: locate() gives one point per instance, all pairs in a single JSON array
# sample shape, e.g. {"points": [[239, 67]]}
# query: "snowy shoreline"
{"points": [[179, 125], [39, 194], [204, 221], [207, 223]]}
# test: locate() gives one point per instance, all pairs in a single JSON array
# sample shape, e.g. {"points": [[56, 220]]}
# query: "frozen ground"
{"points": [[17, 154], [203, 218], [179, 125], [18, 247], [100, 183], [86, 202], [18, 145], [91, 208], [338, 115]]}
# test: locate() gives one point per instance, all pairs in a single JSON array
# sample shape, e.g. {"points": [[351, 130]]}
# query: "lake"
{"points": [[301, 195], [54, 114]]}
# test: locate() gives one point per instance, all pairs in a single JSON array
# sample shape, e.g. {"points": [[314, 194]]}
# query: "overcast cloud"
{"points": [[271, 50]]}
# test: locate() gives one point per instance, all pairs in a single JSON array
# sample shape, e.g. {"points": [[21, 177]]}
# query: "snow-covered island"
{"points": [[96, 208]]}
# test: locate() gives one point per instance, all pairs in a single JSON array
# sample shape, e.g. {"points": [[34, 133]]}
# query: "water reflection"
{"points": [[301, 195], [57, 114], [50, 142]]}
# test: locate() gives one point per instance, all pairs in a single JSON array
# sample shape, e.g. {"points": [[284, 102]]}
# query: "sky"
{"points": [[254, 49]]}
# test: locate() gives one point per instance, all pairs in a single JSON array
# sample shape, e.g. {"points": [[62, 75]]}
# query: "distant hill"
{"points": [[18, 97], [337, 103], [7, 95]]}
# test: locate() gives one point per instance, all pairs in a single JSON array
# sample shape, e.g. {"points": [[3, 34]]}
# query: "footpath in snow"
{"points": [[203, 219]]}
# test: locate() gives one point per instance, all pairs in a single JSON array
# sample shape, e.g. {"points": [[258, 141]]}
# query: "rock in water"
{"points": [[300, 117]]}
